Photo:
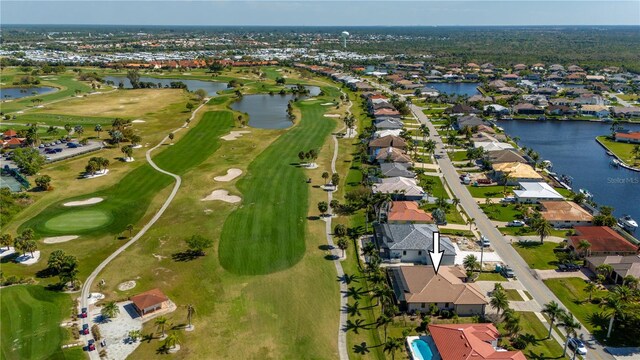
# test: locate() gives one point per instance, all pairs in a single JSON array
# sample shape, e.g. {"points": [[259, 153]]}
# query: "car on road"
{"points": [[507, 272], [578, 346], [515, 223], [484, 242]]}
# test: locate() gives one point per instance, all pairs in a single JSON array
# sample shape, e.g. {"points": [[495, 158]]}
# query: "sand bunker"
{"points": [[127, 285], [231, 174], [327, 104], [222, 195], [59, 239], [138, 121], [234, 135], [90, 201], [28, 258], [332, 115]]}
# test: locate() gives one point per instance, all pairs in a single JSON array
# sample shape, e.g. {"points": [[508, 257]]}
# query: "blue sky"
{"points": [[322, 13]]}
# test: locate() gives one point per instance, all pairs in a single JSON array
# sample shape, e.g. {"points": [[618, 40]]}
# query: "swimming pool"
{"points": [[423, 348]]}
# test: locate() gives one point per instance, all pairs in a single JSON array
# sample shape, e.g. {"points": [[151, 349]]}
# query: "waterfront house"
{"points": [[594, 110], [150, 301], [504, 156], [407, 212], [416, 288], [468, 121], [393, 169], [492, 145], [410, 243], [461, 109], [622, 265], [527, 109], [604, 242], [628, 137], [480, 98], [560, 110], [534, 192], [470, 342], [564, 214], [429, 92], [517, 172], [625, 111], [400, 188], [497, 109]]}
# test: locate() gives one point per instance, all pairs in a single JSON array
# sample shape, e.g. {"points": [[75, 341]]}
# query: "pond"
{"points": [[211, 87], [269, 111], [20, 92], [457, 88], [573, 150]]}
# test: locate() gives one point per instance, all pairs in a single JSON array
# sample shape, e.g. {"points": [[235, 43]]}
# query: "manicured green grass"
{"points": [[549, 348], [433, 185], [88, 122], [455, 232], [495, 191], [66, 81], [622, 150], [266, 234], [527, 231], [513, 295], [490, 276], [571, 292], [536, 255], [564, 192], [502, 212], [458, 156], [137, 187], [31, 318]]}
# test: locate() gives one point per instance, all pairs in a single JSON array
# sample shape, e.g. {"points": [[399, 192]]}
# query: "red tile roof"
{"points": [[10, 133], [602, 239], [149, 298], [469, 342], [631, 135], [408, 211], [14, 141]]}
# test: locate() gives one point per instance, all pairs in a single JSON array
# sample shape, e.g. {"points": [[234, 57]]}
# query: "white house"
{"points": [[492, 145], [533, 192]]}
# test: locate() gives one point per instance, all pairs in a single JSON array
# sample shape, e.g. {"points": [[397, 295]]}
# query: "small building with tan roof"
{"points": [[150, 301], [565, 214], [516, 171]]}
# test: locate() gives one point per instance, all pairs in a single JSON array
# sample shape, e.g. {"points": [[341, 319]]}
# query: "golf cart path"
{"points": [[342, 328], [86, 287]]}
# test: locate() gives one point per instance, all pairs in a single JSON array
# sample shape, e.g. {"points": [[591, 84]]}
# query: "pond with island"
{"points": [[211, 87], [20, 92]]}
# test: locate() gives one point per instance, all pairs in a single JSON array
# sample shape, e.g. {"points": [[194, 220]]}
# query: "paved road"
{"points": [[86, 287], [536, 287]]}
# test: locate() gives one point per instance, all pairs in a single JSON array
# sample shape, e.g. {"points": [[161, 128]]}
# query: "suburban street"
{"points": [[538, 290]]}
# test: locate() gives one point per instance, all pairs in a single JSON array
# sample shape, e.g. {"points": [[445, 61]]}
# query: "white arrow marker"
{"points": [[436, 254]]}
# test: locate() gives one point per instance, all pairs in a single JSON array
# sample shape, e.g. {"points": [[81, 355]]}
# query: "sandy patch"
{"points": [[97, 174], [90, 201], [222, 195], [127, 285], [231, 174], [332, 115], [137, 121], [234, 135], [28, 259], [128, 159], [20, 112], [327, 104], [136, 146], [95, 297], [59, 239], [310, 99], [6, 252]]}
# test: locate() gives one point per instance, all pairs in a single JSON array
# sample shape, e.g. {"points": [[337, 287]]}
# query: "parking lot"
{"points": [[63, 151]]}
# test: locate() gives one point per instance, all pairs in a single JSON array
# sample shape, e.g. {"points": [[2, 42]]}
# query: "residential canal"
{"points": [[211, 87], [269, 111], [455, 88], [20, 92], [573, 150]]}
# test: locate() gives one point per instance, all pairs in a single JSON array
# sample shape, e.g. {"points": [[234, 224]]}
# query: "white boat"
{"points": [[615, 162], [547, 164], [586, 193], [627, 223]]}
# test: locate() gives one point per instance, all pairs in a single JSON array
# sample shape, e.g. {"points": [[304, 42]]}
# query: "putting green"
{"points": [[79, 220]]}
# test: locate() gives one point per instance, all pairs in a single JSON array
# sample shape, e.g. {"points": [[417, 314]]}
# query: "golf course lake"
{"points": [[457, 88], [211, 87], [20, 92], [269, 111]]}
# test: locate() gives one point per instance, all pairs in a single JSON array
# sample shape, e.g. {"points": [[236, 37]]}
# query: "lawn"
{"points": [[502, 212], [571, 292], [138, 187], [30, 323], [527, 231], [266, 234], [537, 255], [549, 348], [491, 276], [433, 185], [88, 122], [458, 156], [495, 191], [622, 150], [513, 295]]}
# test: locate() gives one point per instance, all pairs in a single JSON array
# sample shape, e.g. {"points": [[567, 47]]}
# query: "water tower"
{"points": [[344, 37]]}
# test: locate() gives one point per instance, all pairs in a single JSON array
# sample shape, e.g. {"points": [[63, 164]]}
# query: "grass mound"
{"points": [[266, 234], [127, 201]]}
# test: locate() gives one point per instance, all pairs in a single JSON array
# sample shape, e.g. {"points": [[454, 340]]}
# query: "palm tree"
{"points": [[543, 228], [636, 152], [353, 309], [605, 270], [355, 326], [384, 321], [29, 246], [630, 281], [171, 341], [584, 246], [512, 322], [499, 300], [470, 221], [425, 132], [130, 229], [392, 345], [161, 322], [325, 176], [110, 310], [614, 304], [430, 146], [590, 288], [6, 240], [98, 129], [343, 244], [470, 263], [190, 311], [570, 325], [554, 311]]}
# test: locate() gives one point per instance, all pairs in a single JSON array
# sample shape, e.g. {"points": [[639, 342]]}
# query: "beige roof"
{"points": [[517, 170], [447, 286], [564, 211], [594, 108]]}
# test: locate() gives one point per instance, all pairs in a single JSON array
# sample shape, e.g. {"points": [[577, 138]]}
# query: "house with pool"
{"points": [[416, 288], [460, 342]]}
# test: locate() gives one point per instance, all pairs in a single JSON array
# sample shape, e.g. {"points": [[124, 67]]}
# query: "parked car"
{"points": [[515, 223], [507, 272], [72, 145], [57, 150], [484, 242], [508, 199], [578, 346]]}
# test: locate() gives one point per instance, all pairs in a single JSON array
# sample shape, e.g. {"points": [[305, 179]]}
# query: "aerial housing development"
{"points": [[223, 192]]}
